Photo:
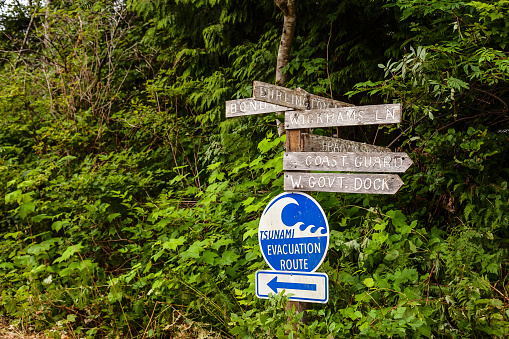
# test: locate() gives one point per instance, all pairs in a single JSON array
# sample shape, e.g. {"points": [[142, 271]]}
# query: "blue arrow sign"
{"points": [[299, 286], [274, 285]]}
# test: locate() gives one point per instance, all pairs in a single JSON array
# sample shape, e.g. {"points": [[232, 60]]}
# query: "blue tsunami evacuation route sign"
{"points": [[293, 233]]}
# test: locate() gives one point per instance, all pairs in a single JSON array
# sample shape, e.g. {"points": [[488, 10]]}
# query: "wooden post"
{"points": [[294, 143]]}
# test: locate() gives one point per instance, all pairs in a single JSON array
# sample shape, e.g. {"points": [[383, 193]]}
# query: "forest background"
{"points": [[130, 205]]}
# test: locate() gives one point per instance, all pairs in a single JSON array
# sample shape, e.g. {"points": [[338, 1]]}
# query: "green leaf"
{"points": [[172, 244], [13, 196], [57, 225], [26, 208], [392, 255], [228, 258], [208, 257], [193, 251], [69, 252], [221, 242], [369, 282]]}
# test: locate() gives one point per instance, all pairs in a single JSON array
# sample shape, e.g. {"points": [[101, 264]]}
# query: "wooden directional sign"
{"points": [[294, 98], [343, 182], [235, 108], [344, 116], [393, 162], [318, 143]]}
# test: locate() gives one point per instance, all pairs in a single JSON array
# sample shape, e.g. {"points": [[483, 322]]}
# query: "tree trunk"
{"points": [[283, 56]]}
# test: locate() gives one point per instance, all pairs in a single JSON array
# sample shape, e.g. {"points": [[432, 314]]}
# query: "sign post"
{"points": [[293, 233]]}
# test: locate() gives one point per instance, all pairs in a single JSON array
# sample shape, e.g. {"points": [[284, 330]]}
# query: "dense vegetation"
{"points": [[130, 204]]}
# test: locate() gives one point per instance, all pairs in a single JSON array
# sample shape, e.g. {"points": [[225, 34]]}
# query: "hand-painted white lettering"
{"points": [[310, 118], [357, 184], [321, 183], [295, 184], [298, 100], [312, 182], [351, 114], [233, 108], [367, 183], [396, 162], [360, 115], [358, 161], [384, 183], [286, 99], [390, 113], [294, 119], [374, 184], [341, 182]]}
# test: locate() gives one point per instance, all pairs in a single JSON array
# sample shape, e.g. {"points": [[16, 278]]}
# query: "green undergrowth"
{"points": [[130, 205]]}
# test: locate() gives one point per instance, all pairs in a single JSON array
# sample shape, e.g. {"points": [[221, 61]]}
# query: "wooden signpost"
{"points": [[293, 98], [236, 108], [343, 183], [387, 162], [318, 143], [344, 116], [308, 156]]}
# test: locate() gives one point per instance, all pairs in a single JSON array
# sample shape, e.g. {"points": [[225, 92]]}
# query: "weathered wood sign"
{"points": [[318, 143], [250, 106], [342, 182], [344, 116], [393, 162], [293, 98]]}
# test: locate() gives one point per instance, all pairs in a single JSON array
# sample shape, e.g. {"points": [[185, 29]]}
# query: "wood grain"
{"points": [[312, 143], [250, 106], [342, 182], [390, 162], [344, 116], [293, 98]]}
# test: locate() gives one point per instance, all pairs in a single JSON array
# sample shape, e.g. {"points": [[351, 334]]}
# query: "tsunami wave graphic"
{"points": [[284, 215], [293, 233]]}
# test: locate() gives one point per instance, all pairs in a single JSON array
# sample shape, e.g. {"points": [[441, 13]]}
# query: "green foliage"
{"points": [[130, 205]]}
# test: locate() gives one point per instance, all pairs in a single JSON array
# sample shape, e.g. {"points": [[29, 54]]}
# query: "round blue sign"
{"points": [[293, 233]]}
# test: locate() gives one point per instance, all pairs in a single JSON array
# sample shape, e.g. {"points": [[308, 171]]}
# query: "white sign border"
{"points": [[293, 297], [326, 223]]}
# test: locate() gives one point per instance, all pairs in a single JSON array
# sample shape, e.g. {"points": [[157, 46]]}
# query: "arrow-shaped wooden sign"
{"points": [[319, 143], [390, 162], [250, 106], [293, 98], [343, 182], [344, 116]]}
